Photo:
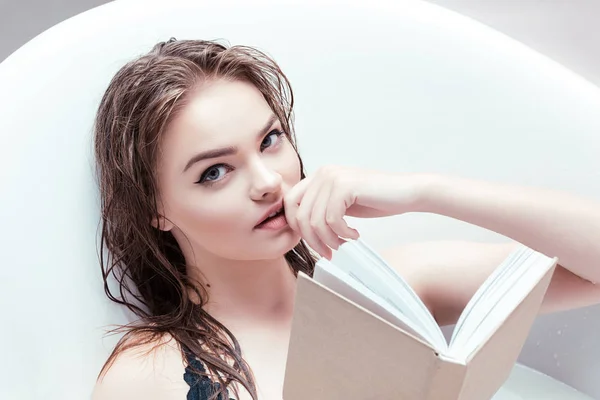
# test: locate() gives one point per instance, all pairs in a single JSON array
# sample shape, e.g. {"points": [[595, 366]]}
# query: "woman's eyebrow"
{"points": [[229, 150]]}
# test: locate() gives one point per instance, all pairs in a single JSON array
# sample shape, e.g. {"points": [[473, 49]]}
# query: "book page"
{"points": [[349, 287], [510, 263], [520, 274], [413, 300], [356, 259]]}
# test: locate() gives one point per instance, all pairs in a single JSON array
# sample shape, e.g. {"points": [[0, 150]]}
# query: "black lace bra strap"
{"points": [[201, 387]]}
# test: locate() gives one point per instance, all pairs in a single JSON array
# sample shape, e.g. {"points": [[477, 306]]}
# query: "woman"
{"points": [[207, 217]]}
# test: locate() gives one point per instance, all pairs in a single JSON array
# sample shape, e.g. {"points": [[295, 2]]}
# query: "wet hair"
{"points": [[147, 263]]}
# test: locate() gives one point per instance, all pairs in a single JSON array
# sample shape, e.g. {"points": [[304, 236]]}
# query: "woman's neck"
{"points": [[249, 292]]}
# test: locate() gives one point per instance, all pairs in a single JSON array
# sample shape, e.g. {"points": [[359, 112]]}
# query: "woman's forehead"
{"points": [[220, 108], [218, 114]]}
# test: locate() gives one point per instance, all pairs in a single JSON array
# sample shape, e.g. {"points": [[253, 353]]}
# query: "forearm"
{"points": [[554, 223]]}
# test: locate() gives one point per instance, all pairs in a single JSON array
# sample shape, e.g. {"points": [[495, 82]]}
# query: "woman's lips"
{"points": [[273, 223]]}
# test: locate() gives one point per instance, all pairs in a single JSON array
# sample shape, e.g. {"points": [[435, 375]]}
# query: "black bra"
{"points": [[201, 387]]}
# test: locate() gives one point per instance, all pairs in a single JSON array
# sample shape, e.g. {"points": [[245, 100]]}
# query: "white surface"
{"points": [[564, 30], [528, 384], [394, 85]]}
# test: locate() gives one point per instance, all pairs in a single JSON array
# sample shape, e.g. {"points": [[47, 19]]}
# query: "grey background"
{"points": [[564, 30]]}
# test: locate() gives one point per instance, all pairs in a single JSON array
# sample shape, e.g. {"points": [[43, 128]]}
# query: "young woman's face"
{"points": [[224, 163]]}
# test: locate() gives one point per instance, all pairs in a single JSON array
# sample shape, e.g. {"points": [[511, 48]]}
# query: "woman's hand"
{"points": [[315, 207]]}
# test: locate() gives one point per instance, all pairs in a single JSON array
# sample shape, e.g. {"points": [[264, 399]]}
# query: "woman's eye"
{"points": [[271, 139], [213, 174]]}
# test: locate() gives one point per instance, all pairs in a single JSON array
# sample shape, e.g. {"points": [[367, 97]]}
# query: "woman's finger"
{"points": [[303, 218], [292, 200], [339, 202], [318, 221]]}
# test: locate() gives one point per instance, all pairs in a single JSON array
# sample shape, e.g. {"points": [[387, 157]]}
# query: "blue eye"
{"points": [[215, 173], [272, 142], [212, 175]]}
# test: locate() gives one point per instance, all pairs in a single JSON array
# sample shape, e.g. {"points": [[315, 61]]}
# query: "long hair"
{"points": [[147, 263]]}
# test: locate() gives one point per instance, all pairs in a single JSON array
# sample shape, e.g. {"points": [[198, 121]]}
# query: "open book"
{"points": [[360, 332]]}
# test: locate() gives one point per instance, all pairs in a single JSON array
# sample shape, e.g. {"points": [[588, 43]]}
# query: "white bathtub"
{"points": [[400, 85]]}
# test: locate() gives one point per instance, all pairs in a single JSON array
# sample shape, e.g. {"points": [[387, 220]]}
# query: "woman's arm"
{"points": [[446, 274], [554, 223]]}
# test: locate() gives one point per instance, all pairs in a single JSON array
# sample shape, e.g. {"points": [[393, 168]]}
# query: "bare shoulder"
{"points": [[150, 372], [446, 274]]}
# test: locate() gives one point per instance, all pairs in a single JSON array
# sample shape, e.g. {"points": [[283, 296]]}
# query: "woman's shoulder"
{"points": [[150, 371]]}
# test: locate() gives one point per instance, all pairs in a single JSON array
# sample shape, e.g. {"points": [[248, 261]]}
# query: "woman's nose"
{"points": [[266, 182]]}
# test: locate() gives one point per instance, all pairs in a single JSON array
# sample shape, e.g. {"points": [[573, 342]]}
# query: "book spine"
{"points": [[447, 380]]}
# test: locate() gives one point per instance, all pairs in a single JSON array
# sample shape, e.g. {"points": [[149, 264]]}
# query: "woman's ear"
{"points": [[162, 223], [159, 221]]}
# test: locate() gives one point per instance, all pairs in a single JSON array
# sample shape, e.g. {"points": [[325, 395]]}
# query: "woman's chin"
{"points": [[290, 240], [295, 241], [283, 244]]}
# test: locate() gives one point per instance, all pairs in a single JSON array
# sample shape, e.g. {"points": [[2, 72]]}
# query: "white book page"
{"points": [[489, 285], [491, 311], [422, 312], [345, 285], [381, 279]]}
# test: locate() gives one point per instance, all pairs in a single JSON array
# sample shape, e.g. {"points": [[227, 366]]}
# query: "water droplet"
{"points": [[538, 343], [558, 363], [559, 332], [555, 356]]}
